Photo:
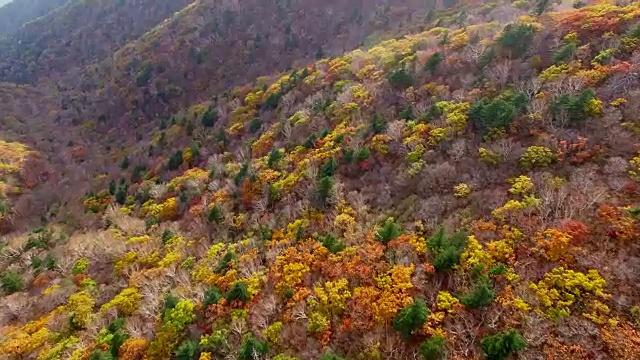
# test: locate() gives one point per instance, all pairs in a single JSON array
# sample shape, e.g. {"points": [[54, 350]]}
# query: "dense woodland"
{"points": [[448, 181]]}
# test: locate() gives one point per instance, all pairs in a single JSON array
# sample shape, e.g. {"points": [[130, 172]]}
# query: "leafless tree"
{"points": [[458, 149], [395, 130], [537, 106], [504, 148], [286, 129], [529, 87], [573, 84], [465, 330], [499, 73], [474, 52]]}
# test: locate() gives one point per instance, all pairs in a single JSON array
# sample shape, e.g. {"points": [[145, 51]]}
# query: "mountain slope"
{"points": [[470, 191], [465, 192], [78, 34], [16, 13], [188, 58]]}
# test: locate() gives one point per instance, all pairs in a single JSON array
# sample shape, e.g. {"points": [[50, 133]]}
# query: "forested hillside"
{"points": [[14, 14], [262, 187], [187, 58], [78, 34]]}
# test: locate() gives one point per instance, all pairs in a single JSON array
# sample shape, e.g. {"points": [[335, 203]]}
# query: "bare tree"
{"points": [[505, 148], [499, 73], [395, 130], [529, 87], [475, 52]]}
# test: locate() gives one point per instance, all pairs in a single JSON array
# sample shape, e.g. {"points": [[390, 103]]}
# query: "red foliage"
{"points": [[366, 165], [248, 192], [35, 171], [623, 66], [44, 279], [78, 279], [601, 25], [607, 213], [577, 229], [215, 311], [576, 151], [587, 25], [631, 188], [621, 224]]}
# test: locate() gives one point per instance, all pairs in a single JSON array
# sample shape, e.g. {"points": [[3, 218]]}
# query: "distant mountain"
{"points": [[211, 46], [14, 14], [78, 34]]}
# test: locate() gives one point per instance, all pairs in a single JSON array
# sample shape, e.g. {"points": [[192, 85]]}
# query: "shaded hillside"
{"points": [[464, 192], [42, 164], [22, 167], [16, 13], [78, 34], [213, 45]]}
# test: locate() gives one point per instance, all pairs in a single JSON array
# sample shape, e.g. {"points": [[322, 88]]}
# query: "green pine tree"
{"points": [[501, 345], [411, 318]]}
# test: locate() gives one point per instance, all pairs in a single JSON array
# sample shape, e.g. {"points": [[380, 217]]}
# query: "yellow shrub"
{"points": [[475, 254], [379, 143], [254, 283], [461, 190], [446, 302], [561, 290], [501, 250], [126, 301], [170, 258], [522, 185], [438, 135], [554, 71], [318, 323], [80, 307], [486, 156], [537, 156], [455, 114], [344, 222], [460, 40], [594, 107], [360, 95], [124, 262], [332, 297], [514, 206], [618, 102], [206, 356], [55, 352], [138, 239], [272, 332], [292, 276], [24, 343]]}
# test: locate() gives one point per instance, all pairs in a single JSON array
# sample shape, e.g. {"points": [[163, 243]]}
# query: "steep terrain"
{"points": [[185, 58], [80, 33], [467, 191], [188, 57], [14, 14]]}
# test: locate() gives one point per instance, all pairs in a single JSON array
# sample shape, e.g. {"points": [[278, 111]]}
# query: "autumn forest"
{"points": [[294, 179]]}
